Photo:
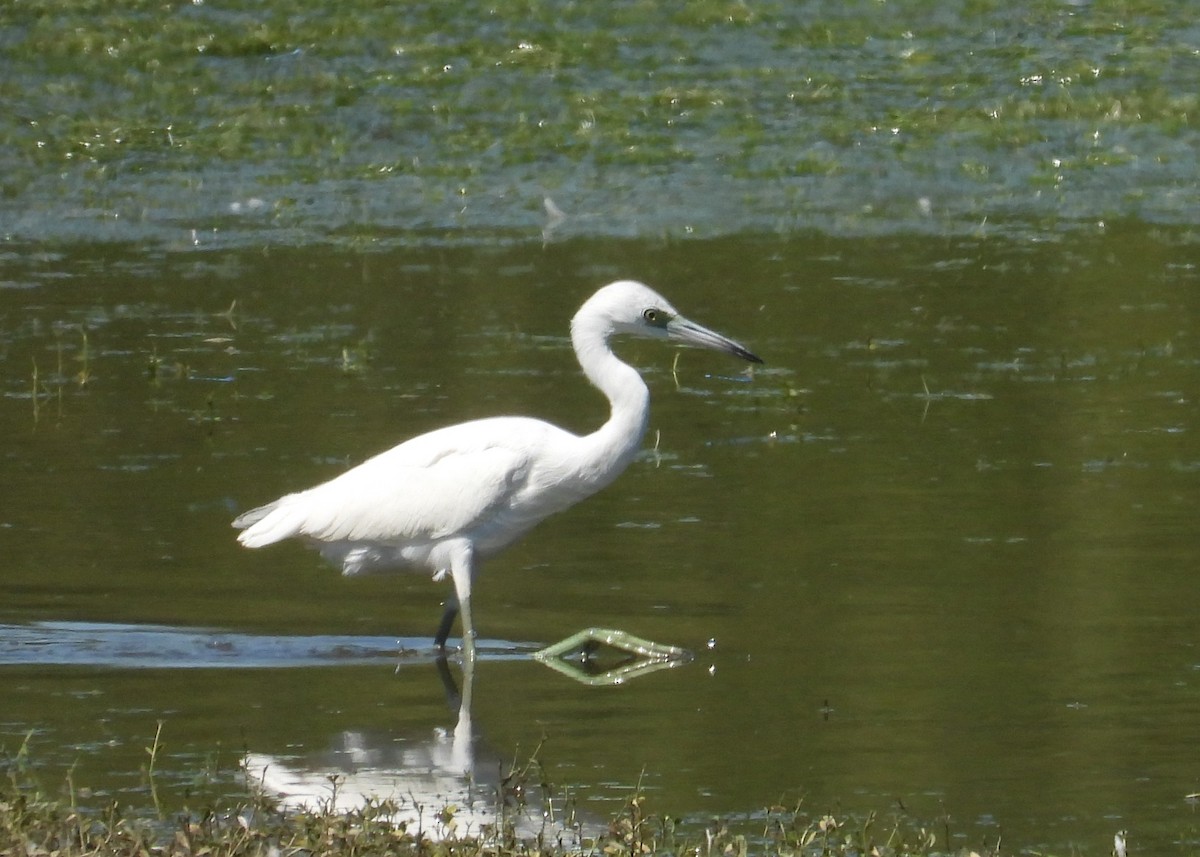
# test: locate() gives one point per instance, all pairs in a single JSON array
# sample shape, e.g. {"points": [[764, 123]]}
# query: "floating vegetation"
{"points": [[352, 122], [43, 388], [84, 375], [160, 369]]}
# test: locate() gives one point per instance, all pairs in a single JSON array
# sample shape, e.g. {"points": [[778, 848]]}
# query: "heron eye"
{"points": [[654, 316]]}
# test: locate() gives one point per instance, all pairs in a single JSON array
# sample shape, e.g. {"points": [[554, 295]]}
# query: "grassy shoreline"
{"points": [[73, 822], [32, 823]]}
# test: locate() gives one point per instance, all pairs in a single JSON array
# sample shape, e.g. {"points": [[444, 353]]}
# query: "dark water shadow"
{"points": [[165, 647]]}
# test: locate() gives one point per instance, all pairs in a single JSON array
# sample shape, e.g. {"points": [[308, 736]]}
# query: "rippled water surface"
{"points": [[937, 556]]}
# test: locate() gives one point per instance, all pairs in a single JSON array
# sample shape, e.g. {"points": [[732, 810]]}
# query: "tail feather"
{"points": [[268, 524]]}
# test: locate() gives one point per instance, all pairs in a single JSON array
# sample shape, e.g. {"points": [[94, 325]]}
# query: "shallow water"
{"points": [[938, 553]]}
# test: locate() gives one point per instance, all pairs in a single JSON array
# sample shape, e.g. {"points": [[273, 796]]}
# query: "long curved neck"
{"points": [[611, 447]]}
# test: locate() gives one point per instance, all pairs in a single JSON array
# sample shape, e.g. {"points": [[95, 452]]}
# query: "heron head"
{"points": [[635, 309]]}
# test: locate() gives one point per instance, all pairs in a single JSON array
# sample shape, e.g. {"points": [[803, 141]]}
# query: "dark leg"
{"points": [[447, 622], [453, 697]]}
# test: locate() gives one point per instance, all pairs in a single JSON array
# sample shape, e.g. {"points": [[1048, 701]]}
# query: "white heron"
{"points": [[445, 500]]}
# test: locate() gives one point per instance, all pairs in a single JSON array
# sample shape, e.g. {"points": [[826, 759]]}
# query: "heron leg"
{"points": [[447, 623], [468, 630], [462, 569]]}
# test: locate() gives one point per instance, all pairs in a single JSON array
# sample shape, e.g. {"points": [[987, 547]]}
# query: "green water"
{"points": [[938, 553]]}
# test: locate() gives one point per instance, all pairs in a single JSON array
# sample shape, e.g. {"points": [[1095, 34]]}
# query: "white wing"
{"points": [[427, 488]]}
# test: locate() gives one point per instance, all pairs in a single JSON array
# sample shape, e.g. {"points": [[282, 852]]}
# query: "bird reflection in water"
{"points": [[439, 783]]}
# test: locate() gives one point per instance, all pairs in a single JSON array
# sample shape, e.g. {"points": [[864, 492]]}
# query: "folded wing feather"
{"points": [[416, 491]]}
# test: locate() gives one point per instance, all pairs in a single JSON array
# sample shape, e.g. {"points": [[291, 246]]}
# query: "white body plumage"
{"points": [[487, 482]]}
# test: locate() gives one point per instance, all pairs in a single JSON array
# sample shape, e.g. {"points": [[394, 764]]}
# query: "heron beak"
{"points": [[680, 329]]}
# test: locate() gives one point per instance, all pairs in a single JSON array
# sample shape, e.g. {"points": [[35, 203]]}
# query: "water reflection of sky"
{"points": [[159, 647]]}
